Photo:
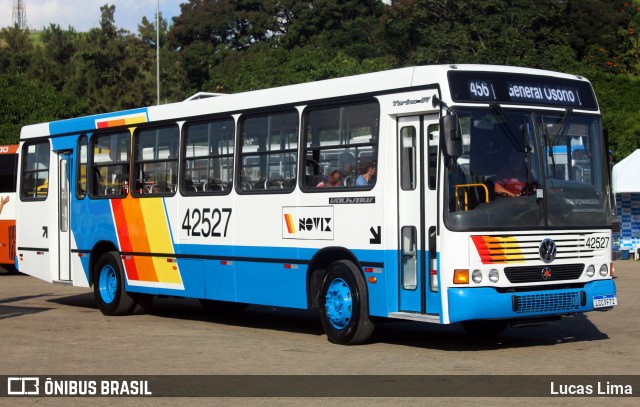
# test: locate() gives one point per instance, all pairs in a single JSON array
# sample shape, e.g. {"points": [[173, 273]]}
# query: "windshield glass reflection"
{"points": [[528, 169]]}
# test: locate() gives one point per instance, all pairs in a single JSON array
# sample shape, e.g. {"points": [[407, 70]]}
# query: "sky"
{"points": [[83, 15]]}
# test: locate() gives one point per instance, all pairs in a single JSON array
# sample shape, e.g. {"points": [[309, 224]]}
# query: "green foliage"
{"points": [[27, 101], [207, 31], [53, 58], [265, 67], [112, 69], [598, 30], [618, 96], [240, 45], [16, 50], [350, 26], [523, 33]]}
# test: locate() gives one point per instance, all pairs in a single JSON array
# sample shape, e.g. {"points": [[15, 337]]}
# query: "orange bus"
{"points": [[8, 171]]}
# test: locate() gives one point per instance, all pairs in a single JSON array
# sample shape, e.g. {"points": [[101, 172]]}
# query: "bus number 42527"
{"points": [[206, 222]]}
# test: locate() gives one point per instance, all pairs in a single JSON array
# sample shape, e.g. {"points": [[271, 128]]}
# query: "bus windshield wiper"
{"points": [[564, 124], [509, 125], [564, 127]]}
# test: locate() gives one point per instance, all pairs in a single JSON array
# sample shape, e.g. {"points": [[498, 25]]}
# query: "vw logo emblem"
{"points": [[546, 273], [547, 250]]}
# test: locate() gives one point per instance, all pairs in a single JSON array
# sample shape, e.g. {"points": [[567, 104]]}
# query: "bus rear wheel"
{"points": [[344, 306], [108, 286]]}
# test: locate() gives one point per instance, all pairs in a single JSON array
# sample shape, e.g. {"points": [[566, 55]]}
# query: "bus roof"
{"points": [[298, 94]]}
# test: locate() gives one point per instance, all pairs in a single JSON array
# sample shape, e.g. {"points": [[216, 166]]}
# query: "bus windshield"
{"points": [[525, 169]]}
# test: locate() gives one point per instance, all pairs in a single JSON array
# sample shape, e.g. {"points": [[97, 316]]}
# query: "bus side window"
{"points": [[341, 138], [269, 147], [207, 163], [110, 164], [156, 160], [35, 171], [83, 152]]}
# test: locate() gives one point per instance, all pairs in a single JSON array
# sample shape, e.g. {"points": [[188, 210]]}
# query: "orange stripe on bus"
{"points": [[497, 249], [123, 237], [139, 239]]}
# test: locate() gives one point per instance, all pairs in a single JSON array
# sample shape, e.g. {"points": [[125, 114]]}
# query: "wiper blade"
{"points": [[564, 125], [497, 109]]}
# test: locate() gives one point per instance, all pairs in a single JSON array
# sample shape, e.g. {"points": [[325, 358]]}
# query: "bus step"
{"points": [[415, 317]]}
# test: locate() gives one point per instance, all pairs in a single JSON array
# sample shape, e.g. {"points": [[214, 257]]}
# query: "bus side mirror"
{"points": [[451, 135]]}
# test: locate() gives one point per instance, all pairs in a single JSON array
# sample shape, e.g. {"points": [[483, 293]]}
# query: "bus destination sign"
{"points": [[545, 94], [481, 90], [487, 87]]}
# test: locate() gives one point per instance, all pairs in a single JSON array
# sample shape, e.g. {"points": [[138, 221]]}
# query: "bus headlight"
{"points": [[604, 270], [476, 276], [494, 276], [591, 271]]}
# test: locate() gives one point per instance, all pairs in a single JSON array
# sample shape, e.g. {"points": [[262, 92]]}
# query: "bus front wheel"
{"points": [[344, 308], [108, 286]]}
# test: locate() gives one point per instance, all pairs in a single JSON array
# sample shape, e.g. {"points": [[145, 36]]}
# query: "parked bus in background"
{"points": [[224, 199], [8, 176]]}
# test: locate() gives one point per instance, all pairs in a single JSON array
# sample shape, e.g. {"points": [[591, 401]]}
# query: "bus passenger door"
{"points": [[417, 214], [410, 218], [64, 234]]}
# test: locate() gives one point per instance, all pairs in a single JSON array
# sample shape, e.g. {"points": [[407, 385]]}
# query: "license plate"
{"points": [[603, 301]]}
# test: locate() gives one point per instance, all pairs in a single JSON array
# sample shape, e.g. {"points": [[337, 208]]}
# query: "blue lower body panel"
{"points": [[487, 303]]}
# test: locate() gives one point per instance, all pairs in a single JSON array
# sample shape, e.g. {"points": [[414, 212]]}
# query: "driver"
{"points": [[512, 178]]}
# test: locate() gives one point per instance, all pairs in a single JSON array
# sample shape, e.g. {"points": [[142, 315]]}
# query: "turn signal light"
{"points": [[461, 276]]}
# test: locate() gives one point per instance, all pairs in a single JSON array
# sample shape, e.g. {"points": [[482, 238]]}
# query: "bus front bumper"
{"points": [[487, 303]]}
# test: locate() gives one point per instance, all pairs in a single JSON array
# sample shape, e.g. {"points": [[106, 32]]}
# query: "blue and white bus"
{"points": [[226, 199]]}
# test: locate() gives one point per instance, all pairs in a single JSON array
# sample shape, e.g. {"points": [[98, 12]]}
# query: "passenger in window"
{"points": [[513, 179], [367, 172], [333, 180], [347, 163]]}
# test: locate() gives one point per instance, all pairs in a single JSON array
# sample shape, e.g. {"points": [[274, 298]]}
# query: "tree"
{"points": [[206, 31], [112, 68], [263, 67], [523, 33], [148, 34], [26, 101], [53, 61], [351, 26], [618, 95], [208, 35], [171, 74], [595, 30], [16, 50]]}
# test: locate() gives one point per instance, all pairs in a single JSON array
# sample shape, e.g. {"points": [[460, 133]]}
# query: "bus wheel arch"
{"points": [[318, 267], [97, 252]]}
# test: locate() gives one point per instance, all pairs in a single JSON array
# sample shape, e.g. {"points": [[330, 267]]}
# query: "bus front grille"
{"points": [[537, 274], [555, 302]]}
